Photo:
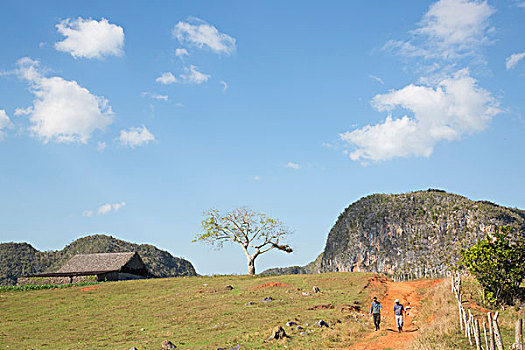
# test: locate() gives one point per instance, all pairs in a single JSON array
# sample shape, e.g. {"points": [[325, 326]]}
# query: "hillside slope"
{"points": [[18, 259], [416, 234]]}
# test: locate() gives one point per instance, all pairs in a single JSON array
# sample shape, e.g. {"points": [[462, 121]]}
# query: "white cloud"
{"points": [[257, 178], [224, 85], [197, 32], [108, 208], [379, 80], [62, 111], [455, 107], [294, 166], [5, 123], [87, 213], [450, 29], [166, 78], [155, 96], [514, 59], [23, 111], [134, 137], [193, 76], [90, 38], [101, 146], [181, 52]]}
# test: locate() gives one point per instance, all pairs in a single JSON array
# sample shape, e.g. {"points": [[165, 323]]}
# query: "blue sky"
{"points": [[132, 120]]}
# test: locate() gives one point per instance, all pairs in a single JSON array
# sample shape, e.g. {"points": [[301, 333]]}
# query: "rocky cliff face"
{"points": [[414, 234], [20, 259], [407, 235]]}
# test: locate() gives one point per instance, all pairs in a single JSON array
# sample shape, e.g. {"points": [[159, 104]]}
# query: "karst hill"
{"points": [[414, 234], [18, 259]]}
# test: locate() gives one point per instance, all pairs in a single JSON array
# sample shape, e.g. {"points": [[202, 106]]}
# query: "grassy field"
{"points": [[192, 312]]}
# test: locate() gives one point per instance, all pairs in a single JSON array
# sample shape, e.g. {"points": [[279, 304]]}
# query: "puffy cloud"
{"points": [[294, 166], [87, 213], [134, 137], [62, 111], [180, 52], [197, 32], [108, 208], [90, 38], [450, 28], [5, 123], [193, 76], [224, 85], [166, 78], [455, 107], [514, 59]]}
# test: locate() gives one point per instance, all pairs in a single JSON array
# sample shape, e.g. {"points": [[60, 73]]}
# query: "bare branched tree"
{"points": [[254, 232]]}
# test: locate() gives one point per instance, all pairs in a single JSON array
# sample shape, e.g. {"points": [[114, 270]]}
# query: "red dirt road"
{"points": [[408, 295]]}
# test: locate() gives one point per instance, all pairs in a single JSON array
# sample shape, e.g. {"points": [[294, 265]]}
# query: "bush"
{"points": [[498, 263]]}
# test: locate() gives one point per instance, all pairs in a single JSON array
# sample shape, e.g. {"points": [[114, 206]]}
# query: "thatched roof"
{"points": [[102, 262]]}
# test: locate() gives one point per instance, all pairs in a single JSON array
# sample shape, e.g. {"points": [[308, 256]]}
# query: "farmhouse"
{"points": [[93, 267]]}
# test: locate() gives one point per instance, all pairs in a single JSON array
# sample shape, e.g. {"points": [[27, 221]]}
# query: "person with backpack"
{"points": [[375, 311]]}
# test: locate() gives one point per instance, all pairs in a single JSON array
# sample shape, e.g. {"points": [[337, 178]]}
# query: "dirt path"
{"points": [[408, 295]]}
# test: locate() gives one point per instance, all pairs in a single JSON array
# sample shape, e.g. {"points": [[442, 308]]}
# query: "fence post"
{"points": [[470, 327], [476, 334], [491, 331], [497, 334], [485, 334], [518, 336]]}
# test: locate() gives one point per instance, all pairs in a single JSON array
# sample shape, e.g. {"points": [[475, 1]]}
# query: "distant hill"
{"points": [[410, 234], [18, 259]]}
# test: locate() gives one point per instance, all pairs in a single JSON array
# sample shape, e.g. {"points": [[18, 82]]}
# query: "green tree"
{"points": [[254, 232], [498, 263]]}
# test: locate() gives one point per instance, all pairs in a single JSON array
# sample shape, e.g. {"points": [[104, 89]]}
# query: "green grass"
{"points": [[25, 287], [192, 312]]}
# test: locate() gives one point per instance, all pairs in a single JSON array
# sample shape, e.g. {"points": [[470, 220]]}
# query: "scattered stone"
{"points": [[299, 328], [306, 324], [277, 333], [288, 291], [205, 285], [306, 293], [291, 323], [321, 324], [133, 348], [249, 303], [166, 344], [236, 347], [316, 289], [302, 333], [267, 299], [142, 329], [229, 287]]}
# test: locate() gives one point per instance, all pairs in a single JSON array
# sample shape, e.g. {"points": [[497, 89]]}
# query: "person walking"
{"points": [[399, 311], [375, 311]]}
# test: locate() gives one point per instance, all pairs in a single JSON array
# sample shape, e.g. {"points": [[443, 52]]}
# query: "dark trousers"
{"points": [[377, 320]]}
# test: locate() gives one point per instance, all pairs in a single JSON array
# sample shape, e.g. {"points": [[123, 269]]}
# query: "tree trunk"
{"points": [[251, 265]]}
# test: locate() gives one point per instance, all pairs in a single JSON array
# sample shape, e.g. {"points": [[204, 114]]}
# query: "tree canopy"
{"points": [[498, 264], [255, 232]]}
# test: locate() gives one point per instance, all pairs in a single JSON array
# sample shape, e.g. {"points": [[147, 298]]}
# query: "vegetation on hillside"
{"points": [[20, 259], [498, 264]]}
